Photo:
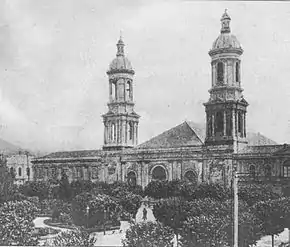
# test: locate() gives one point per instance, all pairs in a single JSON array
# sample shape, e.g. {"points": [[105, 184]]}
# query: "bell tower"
{"points": [[121, 121], [226, 108]]}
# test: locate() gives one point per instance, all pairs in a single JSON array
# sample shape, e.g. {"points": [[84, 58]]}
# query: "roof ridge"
{"points": [[193, 130]]}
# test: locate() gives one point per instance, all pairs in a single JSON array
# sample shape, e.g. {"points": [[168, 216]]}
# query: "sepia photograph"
{"points": [[133, 123]]}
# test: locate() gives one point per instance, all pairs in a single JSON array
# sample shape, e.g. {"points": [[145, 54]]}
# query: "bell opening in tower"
{"points": [[220, 72]]}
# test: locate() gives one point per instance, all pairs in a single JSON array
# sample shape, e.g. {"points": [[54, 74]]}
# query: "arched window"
{"points": [[131, 130], [237, 72], [286, 169], [219, 121], [159, 173], [209, 125], [12, 172], [268, 171], [240, 122], [132, 178], [252, 171], [128, 90], [114, 90], [113, 132], [19, 171], [220, 72], [190, 177]]}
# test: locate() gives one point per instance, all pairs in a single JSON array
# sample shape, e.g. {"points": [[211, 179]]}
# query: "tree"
{"points": [[209, 222], [156, 189], [7, 187], [148, 234], [271, 213], [101, 209], [172, 212], [212, 190], [35, 188], [64, 190], [16, 223], [253, 193], [129, 202], [75, 238], [81, 186], [205, 230], [119, 187]]}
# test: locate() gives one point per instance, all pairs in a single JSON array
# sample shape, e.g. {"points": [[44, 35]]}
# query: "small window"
{"points": [[19, 171], [220, 72], [219, 121]]}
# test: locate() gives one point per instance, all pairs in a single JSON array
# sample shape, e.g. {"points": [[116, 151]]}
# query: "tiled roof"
{"points": [[181, 135], [73, 154], [269, 149], [189, 133], [285, 150], [257, 139]]}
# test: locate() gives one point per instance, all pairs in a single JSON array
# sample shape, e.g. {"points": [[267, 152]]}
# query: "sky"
{"points": [[54, 56]]}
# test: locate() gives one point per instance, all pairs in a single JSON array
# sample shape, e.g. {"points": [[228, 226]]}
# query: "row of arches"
{"points": [[112, 132], [120, 92], [220, 72], [159, 173], [267, 171], [20, 171]]}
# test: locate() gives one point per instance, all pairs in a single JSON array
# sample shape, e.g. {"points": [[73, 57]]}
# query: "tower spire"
{"points": [[225, 20], [120, 46]]}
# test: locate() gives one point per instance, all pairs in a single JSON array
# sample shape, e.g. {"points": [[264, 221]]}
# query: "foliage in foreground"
{"points": [[73, 238], [101, 208], [148, 234], [16, 223], [209, 222]]}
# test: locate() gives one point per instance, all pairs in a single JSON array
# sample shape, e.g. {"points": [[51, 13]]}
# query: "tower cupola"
{"points": [[121, 121], [226, 107]]}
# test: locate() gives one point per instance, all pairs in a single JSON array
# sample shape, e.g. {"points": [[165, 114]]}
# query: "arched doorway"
{"points": [[132, 178], [158, 173], [252, 171], [190, 177]]}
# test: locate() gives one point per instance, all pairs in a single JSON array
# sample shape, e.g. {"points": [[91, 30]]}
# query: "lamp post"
{"points": [[105, 217], [236, 210], [88, 211]]}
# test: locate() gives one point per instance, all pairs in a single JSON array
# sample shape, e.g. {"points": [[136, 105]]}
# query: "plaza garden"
{"points": [[193, 215]]}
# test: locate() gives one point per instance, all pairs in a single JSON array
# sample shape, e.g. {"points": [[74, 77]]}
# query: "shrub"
{"points": [[35, 188], [66, 218], [210, 222], [55, 214], [16, 223], [148, 234], [130, 202], [74, 238], [98, 204], [255, 193]]}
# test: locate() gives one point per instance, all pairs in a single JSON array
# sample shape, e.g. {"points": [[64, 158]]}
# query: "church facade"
{"points": [[189, 151]]}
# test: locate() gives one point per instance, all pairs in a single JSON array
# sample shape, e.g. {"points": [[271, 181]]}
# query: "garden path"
{"points": [[266, 241], [112, 238]]}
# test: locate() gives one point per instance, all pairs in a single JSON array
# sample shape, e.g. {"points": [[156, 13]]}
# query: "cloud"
{"points": [[54, 56]]}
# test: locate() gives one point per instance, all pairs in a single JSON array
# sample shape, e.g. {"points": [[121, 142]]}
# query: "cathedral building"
{"points": [[189, 151]]}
